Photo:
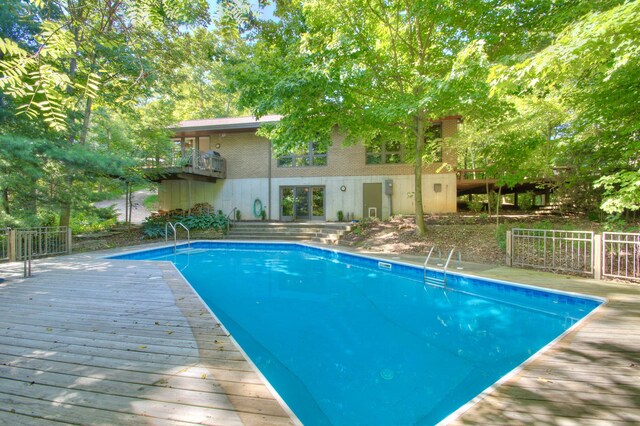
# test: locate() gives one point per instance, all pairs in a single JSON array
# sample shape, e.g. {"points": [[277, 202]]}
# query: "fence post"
{"points": [[12, 245], [68, 240], [597, 256], [509, 249]]}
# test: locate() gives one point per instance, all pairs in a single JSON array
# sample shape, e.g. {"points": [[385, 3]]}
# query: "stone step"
{"points": [[276, 225], [328, 233], [268, 237], [317, 232]]}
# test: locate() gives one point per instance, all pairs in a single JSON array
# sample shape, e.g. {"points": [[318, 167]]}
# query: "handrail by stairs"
{"points": [[230, 218]]}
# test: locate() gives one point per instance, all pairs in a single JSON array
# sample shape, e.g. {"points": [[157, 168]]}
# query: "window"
{"points": [[314, 156], [390, 152], [387, 153], [433, 142]]}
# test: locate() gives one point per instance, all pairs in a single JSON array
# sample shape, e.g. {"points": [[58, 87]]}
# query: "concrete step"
{"points": [[328, 233], [268, 237]]}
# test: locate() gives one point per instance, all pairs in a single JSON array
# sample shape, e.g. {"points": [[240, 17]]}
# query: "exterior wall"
{"points": [[248, 168], [350, 161], [246, 154]]}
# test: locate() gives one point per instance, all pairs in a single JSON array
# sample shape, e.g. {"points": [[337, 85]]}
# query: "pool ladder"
{"points": [[173, 227], [433, 280]]}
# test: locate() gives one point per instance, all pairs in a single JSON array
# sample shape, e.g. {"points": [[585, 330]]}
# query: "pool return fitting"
{"points": [[433, 280], [173, 227]]}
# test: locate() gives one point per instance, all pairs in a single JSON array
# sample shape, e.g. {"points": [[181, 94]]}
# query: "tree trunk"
{"points": [[130, 205], [86, 121], [498, 203], [126, 203], [488, 198], [65, 214], [5, 201], [419, 143]]}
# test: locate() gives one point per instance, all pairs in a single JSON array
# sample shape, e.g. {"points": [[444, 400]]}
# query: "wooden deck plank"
{"points": [[590, 377], [94, 341], [189, 379], [74, 321]]}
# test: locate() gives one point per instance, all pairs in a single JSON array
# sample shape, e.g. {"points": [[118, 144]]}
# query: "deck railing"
{"points": [[16, 244], [569, 251], [202, 160], [621, 255], [4, 244]]}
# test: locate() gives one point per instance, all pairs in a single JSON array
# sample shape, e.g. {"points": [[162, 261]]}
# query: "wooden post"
{"points": [[597, 256], [12, 245], [69, 240], [509, 249]]}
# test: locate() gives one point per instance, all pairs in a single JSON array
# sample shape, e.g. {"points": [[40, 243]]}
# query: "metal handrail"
{"points": [[175, 234], [424, 269], [230, 217], [166, 234], [446, 265], [444, 269], [188, 236]]}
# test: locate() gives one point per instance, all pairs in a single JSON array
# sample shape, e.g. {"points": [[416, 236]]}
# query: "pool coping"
{"points": [[372, 256]]}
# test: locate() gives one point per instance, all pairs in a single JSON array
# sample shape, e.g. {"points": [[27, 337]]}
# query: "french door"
{"points": [[302, 203]]}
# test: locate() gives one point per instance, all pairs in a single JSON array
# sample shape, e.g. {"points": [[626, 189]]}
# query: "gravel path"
{"points": [[139, 211]]}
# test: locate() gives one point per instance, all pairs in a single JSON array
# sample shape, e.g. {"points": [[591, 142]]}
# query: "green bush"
{"points": [[525, 201], [154, 225], [475, 206], [93, 219]]}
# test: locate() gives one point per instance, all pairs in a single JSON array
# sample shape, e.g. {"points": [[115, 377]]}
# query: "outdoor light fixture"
{"points": [[343, 188]]}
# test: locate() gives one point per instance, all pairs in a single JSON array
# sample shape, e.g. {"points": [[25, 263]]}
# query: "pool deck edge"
{"points": [[589, 376]]}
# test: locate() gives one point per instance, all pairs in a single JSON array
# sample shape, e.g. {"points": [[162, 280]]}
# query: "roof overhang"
{"points": [[217, 125]]}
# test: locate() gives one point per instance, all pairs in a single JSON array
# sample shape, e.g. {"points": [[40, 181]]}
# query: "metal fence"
{"points": [[570, 251], [4, 244], [45, 241], [621, 255]]}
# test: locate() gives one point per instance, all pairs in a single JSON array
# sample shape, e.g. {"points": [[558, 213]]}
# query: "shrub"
{"points": [[340, 215], [475, 206], [525, 201], [200, 218]]}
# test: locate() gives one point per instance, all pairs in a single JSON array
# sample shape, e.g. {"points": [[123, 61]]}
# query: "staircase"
{"points": [[320, 232]]}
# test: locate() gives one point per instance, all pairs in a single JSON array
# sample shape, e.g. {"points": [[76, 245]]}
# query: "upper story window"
{"points": [[313, 156], [387, 153], [433, 139], [391, 152]]}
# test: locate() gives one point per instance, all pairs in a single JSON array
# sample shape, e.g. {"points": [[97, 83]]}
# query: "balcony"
{"points": [[193, 164]]}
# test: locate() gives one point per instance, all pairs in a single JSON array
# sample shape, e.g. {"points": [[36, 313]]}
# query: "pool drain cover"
{"points": [[387, 374]]}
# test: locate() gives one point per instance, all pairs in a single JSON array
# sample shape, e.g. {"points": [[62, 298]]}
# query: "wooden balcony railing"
{"points": [[192, 161]]}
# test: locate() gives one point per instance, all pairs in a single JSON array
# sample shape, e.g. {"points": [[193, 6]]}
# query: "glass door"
{"points": [[302, 203]]}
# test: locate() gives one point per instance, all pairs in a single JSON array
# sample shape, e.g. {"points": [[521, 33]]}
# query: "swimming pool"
{"points": [[346, 339]]}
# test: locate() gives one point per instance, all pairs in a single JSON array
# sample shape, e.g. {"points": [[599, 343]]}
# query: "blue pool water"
{"points": [[346, 342]]}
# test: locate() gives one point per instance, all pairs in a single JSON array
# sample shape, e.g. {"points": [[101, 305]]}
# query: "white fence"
{"points": [[610, 255], [570, 251], [16, 244], [621, 255]]}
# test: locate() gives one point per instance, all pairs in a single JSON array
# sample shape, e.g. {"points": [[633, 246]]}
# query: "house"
{"points": [[223, 162]]}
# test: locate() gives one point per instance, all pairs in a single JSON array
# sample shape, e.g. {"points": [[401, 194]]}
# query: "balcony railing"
{"points": [[194, 161]]}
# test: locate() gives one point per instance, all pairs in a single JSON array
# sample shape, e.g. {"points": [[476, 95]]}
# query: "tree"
{"points": [[379, 70], [592, 70], [88, 52]]}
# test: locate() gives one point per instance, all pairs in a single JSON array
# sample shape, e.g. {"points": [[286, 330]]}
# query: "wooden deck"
{"points": [[590, 377], [94, 341]]}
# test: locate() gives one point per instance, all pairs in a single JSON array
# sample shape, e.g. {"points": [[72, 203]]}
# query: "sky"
{"points": [[267, 12]]}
